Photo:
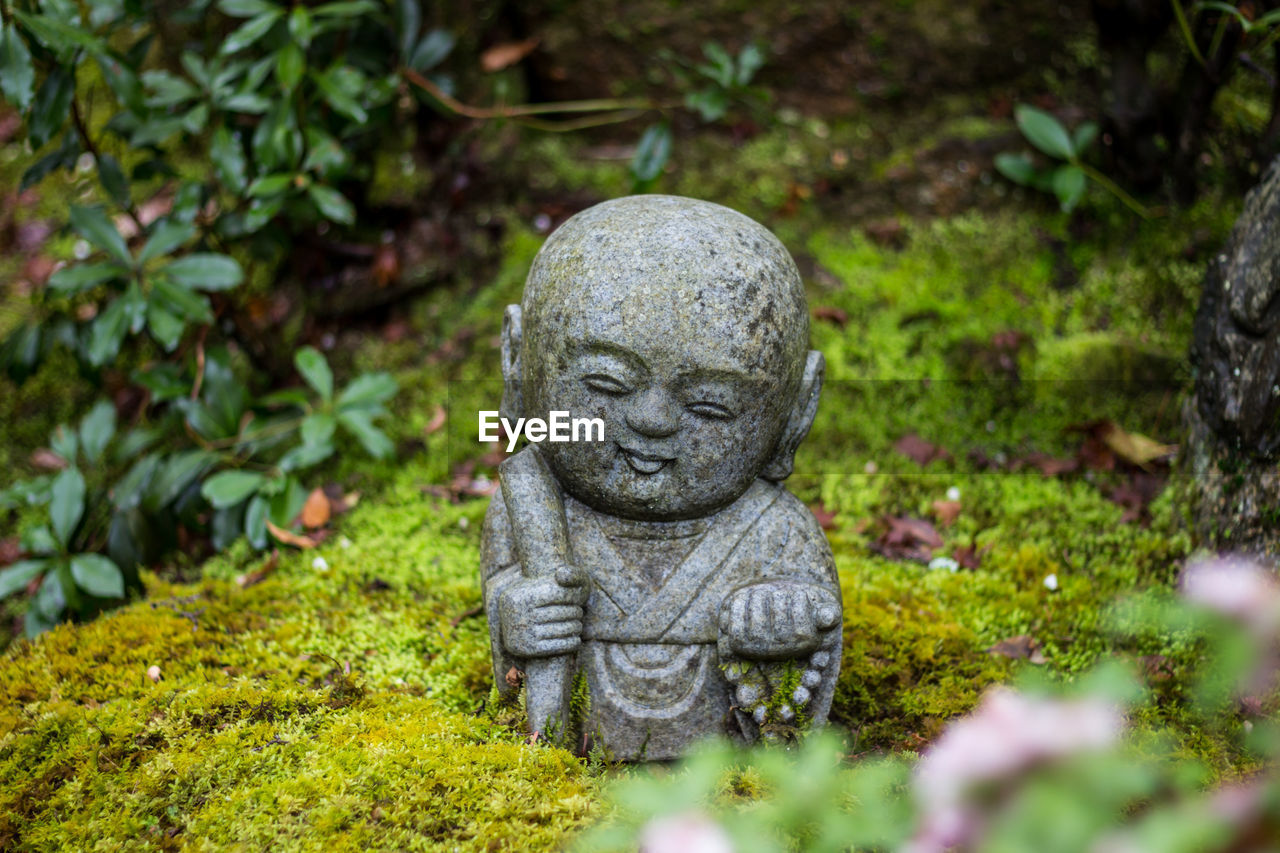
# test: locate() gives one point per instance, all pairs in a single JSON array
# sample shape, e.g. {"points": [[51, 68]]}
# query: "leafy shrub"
{"points": [[289, 106]]}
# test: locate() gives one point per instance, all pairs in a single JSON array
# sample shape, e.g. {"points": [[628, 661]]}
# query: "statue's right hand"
{"points": [[542, 616]]}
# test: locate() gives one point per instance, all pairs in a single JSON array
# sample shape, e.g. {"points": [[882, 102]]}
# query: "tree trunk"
{"points": [[1232, 453]]}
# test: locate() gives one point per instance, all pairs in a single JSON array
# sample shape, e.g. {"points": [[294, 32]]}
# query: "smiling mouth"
{"points": [[643, 462]]}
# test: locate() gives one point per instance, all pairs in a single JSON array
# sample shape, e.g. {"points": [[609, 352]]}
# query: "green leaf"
{"points": [[228, 488], [228, 159], [1068, 186], [246, 8], [59, 36], [135, 308], [128, 491], [168, 90], [290, 63], [652, 153], [317, 428], [255, 522], [315, 370], [178, 473], [165, 381], [97, 575], [345, 9], [337, 98], [432, 50], [206, 271], [93, 225], [135, 441], [368, 391], [195, 119], [39, 540], [16, 577], [1083, 136], [20, 352], [359, 424], [300, 26], [182, 301], [50, 598], [408, 22], [1044, 132], [65, 443], [250, 31], [122, 81], [72, 280], [304, 456], [750, 60], [270, 184], [166, 327], [17, 77], [51, 107], [66, 504], [113, 179], [1016, 167], [168, 236], [332, 204], [96, 430], [107, 333], [711, 103], [246, 102]]}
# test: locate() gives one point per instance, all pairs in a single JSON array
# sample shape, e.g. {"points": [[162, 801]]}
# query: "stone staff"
{"points": [[530, 491]]}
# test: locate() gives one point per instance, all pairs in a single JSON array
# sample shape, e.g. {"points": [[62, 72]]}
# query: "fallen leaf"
{"points": [[1021, 647], [886, 232], [907, 539], [153, 672], [514, 677], [437, 420], [346, 503], [288, 537], [316, 511], [946, 512], [46, 460], [921, 451], [1049, 466], [968, 556], [826, 518], [259, 574], [385, 268], [1132, 447], [501, 56], [831, 314], [1136, 493], [10, 550]]}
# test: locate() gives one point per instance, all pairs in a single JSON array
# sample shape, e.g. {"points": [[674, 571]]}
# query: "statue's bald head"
{"points": [[696, 275]]}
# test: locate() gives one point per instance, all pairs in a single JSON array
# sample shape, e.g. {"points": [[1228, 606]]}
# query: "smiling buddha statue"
{"points": [[664, 573]]}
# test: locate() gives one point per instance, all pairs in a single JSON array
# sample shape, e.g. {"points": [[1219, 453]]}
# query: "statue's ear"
{"points": [[802, 412], [512, 406]]}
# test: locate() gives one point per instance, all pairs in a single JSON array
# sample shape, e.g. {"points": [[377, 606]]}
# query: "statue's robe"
{"points": [[651, 623]]}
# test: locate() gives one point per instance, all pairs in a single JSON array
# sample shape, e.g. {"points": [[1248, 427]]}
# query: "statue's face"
{"points": [[693, 398]]}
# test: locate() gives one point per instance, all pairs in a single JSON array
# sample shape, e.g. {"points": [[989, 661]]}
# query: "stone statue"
{"points": [[660, 585], [1233, 417]]}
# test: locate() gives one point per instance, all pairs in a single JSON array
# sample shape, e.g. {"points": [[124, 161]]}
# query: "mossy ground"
{"points": [[257, 735]]}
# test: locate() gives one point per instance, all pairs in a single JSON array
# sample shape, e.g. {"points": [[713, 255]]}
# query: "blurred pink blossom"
{"points": [[690, 832], [1006, 735], [1236, 587]]}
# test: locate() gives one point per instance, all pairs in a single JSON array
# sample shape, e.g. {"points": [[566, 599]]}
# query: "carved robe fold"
{"points": [[650, 635]]}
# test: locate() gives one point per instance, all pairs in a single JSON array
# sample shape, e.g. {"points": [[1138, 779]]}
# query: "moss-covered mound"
{"points": [[343, 700]]}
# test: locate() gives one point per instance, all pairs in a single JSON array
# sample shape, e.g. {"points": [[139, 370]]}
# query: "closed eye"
{"points": [[707, 409], [606, 384]]}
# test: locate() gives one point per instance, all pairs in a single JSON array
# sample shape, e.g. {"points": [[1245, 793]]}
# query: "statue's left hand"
{"points": [[773, 620]]}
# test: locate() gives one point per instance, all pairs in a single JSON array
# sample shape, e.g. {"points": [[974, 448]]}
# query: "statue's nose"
{"points": [[654, 414]]}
